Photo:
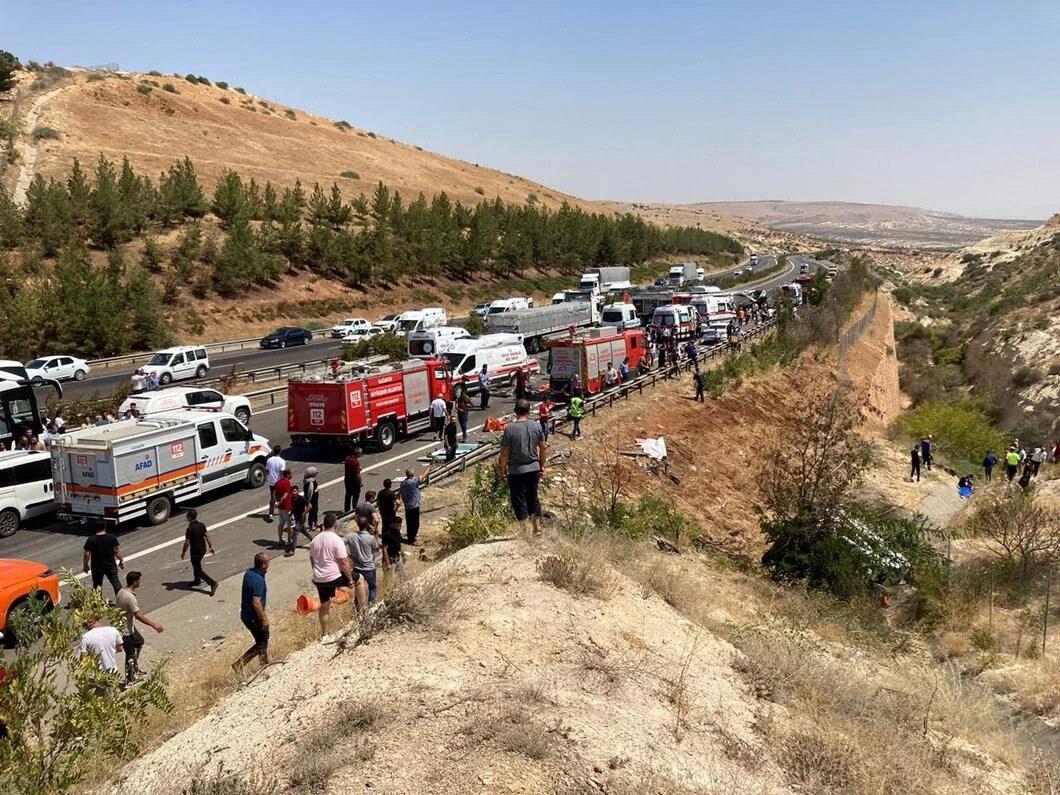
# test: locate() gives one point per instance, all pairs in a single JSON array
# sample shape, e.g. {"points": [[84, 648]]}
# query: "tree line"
{"points": [[370, 239]]}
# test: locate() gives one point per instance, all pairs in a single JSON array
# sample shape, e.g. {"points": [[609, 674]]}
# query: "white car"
{"points": [[481, 309], [361, 334], [181, 397], [174, 364], [388, 323], [343, 326], [58, 368]]}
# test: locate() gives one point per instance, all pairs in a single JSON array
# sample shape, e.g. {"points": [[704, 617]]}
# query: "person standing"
{"points": [[693, 353], [311, 492], [463, 412], [393, 560], [252, 611], [1012, 463], [197, 540], [132, 640], [989, 462], [700, 382], [331, 571], [610, 376], [362, 546], [544, 415], [521, 379], [927, 450], [623, 370], [449, 434], [1037, 459], [410, 498], [274, 467], [367, 513], [299, 508], [914, 460], [386, 501], [102, 642], [522, 462], [352, 480], [484, 388], [102, 557], [284, 494], [439, 412], [576, 410]]}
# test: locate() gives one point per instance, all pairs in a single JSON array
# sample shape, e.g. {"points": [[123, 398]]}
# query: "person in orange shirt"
{"points": [[544, 414]]}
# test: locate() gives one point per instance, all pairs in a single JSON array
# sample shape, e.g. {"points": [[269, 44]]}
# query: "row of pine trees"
{"points": [[368, 240]]}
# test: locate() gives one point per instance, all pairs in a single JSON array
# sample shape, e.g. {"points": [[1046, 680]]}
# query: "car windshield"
{"points": [[160, 359], [612, 315], [36, 364], [496, 310]]}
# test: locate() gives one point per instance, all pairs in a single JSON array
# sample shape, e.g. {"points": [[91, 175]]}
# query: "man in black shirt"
{"points": [[197, 539], [386, 502], [103, 559]]}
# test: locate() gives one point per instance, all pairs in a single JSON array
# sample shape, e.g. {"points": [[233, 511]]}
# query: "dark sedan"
{"points": [[284, 337]]}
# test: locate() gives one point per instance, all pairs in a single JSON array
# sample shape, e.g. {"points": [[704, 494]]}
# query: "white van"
{"points": [[174, 364], [432, 341], [26, 489], [417, 319], [679, 321], [502, 362], [621, 316], [182, 397], [559, 298], [502, 305]]}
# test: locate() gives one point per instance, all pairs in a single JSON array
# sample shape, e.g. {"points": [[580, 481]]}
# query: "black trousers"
{"points": [[484, 397], [353, 496], [133, 644], [412, 524], [111, 574], [523, 490], [199, 571], [914, 472]]}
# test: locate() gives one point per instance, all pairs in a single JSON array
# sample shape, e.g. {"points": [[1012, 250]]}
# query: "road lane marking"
{"points": [[265, 507]]}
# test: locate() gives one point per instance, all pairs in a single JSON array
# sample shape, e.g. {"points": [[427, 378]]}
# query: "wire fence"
{"points": [[849, 338]]}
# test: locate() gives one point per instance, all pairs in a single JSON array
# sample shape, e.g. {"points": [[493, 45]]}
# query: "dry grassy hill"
{"points": [[134, 115]]}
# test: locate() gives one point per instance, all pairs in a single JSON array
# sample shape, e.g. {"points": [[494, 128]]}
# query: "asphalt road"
{"points": [[235, 515]]}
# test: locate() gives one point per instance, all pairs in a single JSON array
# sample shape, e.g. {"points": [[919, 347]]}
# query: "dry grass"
{"points": [[420, 602], [581, 575]]}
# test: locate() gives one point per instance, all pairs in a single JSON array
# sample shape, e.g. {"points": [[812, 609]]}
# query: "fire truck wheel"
{"points": [[256, 475], [385, 435], [159, 509]]}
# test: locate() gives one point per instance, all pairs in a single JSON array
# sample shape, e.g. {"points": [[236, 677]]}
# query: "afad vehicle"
{"points": [[353, 405], [588, 355]]}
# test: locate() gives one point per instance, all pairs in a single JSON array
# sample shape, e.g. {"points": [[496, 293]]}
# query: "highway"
{"points": [[235, 515]]}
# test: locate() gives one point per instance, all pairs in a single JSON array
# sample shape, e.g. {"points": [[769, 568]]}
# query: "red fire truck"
{"points": [[587, 355], [377, 404]]}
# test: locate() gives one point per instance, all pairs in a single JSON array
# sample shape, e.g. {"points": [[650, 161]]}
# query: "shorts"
{"points": [[326, 590], [523, 490]]}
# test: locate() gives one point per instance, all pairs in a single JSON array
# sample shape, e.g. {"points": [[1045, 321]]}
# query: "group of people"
{"points": [[144, 381], [1017, 460]]}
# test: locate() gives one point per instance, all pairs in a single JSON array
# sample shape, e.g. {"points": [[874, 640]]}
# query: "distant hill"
{"points": [[869, 224]]}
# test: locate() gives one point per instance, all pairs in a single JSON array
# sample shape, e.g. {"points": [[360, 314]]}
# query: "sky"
{"points": [[944, 105]]}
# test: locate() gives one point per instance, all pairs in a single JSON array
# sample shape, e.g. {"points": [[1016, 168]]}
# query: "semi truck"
{"points": [[647, 301], [143, 467], [537, 325], [685, 272], [357, 405], [587, 355], [605, 280]]}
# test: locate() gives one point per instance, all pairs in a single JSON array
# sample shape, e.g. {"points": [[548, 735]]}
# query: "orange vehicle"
{"points": [[19, 579]]}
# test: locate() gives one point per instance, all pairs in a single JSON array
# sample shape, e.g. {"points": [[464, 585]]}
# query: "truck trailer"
{"points": [[685, 272], [604, 280], [537, 325], [142, 467]]}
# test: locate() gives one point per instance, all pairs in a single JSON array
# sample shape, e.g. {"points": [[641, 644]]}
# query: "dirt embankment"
{"points": [[872, 365]]}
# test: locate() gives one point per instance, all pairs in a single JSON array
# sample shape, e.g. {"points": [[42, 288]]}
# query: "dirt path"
{"points": [[30, 149]]}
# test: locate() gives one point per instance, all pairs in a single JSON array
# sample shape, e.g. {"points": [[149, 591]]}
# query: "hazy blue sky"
{"points": [[947, 105]]}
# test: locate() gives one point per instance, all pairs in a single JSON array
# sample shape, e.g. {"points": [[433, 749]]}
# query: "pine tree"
{"points": [[111, 218], [237, 266], [149, 327], [11, 230], [80, 194], [229, 198], [8, 64], [47, 215], [187, 251]]}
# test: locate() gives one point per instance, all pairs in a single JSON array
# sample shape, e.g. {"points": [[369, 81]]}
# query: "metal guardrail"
{"points": [[602, 400], [219, 347]]}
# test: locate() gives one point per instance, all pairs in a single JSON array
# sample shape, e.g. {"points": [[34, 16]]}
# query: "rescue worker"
{"points": [[484, 388], [576, 410], [700, 382]]}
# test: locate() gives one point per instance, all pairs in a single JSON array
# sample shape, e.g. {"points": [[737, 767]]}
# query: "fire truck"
{"points": [[354, 405], [587, 355]]}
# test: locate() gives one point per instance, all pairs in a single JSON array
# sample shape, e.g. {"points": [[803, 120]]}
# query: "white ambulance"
{"points": [[429, 342], [123, 471]]}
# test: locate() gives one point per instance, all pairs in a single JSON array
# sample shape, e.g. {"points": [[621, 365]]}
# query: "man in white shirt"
{"points": [[104, 643], [274, 467], [439, 411], [611, 376]]}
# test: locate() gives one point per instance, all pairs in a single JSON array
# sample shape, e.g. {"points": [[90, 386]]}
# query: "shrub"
{"points": [[240, 90], [350, 175], [579, 574], [191, 78], [290, 114], [155, 73], [145, 89], [372, 135], [172, 89], [1026, 376], [480, 191], [221, 84], [390, 344], [225, 101], [343, 125], [475, 324], [203, 81], [962, 429], [43, 133]]}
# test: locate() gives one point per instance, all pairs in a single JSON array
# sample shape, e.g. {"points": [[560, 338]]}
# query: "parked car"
{"points": [[343, 326], [25, 488], [180, 397], [387, 323], [173, 364], [286, 336], [361, 334], [482, 309], [20, 581], [57, 368]]}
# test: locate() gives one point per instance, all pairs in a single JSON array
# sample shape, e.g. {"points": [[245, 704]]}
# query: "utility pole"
{"points": [[1045, 615]]}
